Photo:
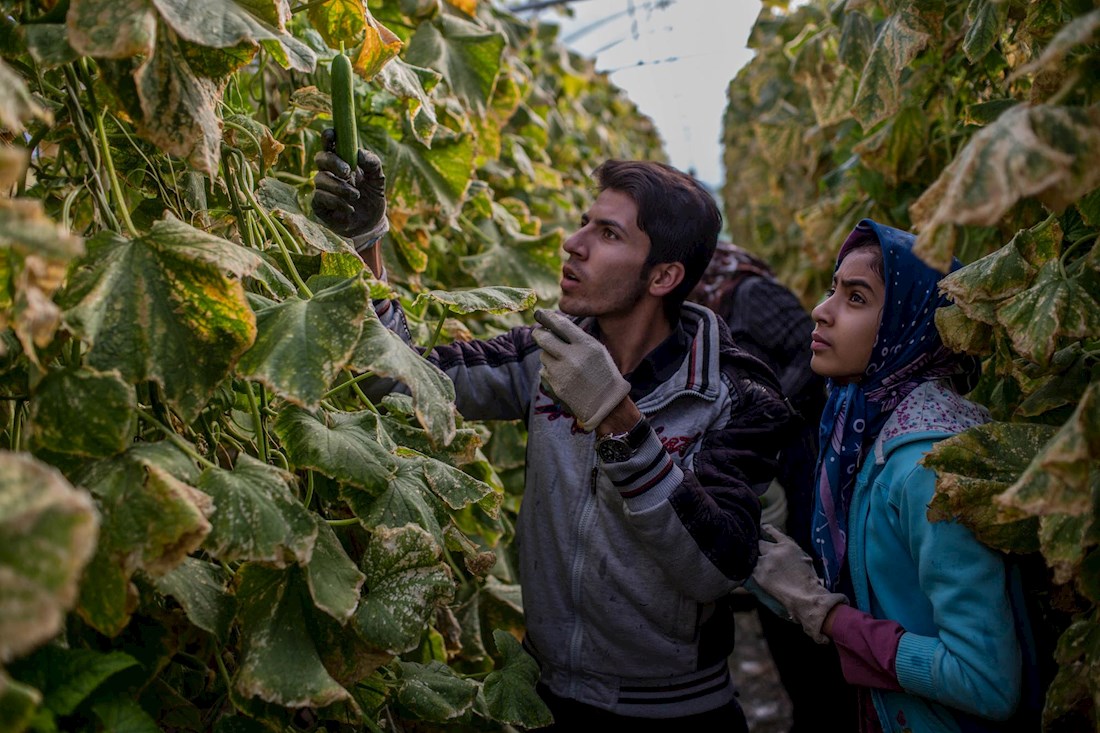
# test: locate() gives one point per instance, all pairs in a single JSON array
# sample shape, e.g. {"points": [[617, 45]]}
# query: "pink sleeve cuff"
{"points": [[867, 648]]}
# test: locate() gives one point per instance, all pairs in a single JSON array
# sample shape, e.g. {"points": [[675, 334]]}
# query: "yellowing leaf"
{"points": [[380, 45], [47, 535], [338, 21]]}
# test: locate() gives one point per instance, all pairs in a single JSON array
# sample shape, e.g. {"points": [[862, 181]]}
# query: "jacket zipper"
{"points": [[584, 524]]}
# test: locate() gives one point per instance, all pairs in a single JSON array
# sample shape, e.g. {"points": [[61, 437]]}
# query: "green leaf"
{"points": [[1053, 308], [124, 715], [987, 23], [973, 468], [413, 85], [280, 662], [47, 536], [433, 692], [383, 353], [497, 299], [342, 446], [106, 404], [405, 582], [406, 499], [168, 307], [510, 690], [522, 260], [202, 589], [420, 178], [281, 201], [302, 345], [996, 276], [257, 517], [456, 488], [18, 703], [1060, 476], [1063, 540], [898, 147], [114, 29], [224, 24], [961, 333], [901, 37], [333, 579], [67, 677], [151, 521], [830, 83], [467, 55]]}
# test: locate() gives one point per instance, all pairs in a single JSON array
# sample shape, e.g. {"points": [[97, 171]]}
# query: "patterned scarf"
{"points": [[907, 352]]}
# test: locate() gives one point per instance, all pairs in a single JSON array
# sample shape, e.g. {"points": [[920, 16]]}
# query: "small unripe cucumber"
{"points": [[343, 110]]}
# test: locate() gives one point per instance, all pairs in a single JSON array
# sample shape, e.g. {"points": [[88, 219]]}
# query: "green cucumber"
{"points": [[343, 110]]}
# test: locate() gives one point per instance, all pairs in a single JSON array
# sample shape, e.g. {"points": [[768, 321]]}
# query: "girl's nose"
{"points": [[821, 311]]}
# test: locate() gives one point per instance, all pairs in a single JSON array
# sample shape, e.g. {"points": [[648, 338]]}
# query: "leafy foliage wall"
{"points": [[977, 125], [204, 523]]}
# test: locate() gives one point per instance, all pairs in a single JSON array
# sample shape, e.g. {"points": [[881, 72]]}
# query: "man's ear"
{"points": [[664, 277]]}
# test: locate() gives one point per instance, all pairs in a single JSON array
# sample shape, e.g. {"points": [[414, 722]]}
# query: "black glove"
{"points": [[350, 203]]}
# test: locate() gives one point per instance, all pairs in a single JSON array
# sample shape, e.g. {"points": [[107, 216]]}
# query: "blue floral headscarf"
{"points": [[907, 352]]}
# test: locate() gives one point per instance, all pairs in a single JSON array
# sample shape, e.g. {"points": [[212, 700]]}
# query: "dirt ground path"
{"points": [[759, 690]]}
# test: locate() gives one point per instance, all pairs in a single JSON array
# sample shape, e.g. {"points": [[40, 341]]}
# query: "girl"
{"points": [[919, 611]]}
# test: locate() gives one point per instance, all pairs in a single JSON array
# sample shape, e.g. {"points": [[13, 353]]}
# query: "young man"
{"points": [[649, 434]]}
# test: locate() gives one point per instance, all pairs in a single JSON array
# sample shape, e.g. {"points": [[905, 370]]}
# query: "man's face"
{"points": [[603, 275]]}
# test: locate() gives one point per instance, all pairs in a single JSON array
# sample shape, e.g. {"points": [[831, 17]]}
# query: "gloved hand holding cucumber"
{"points": [[350, 196]]}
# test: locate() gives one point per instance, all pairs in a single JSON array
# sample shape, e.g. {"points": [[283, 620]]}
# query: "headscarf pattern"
{"points": [[907, 352]]}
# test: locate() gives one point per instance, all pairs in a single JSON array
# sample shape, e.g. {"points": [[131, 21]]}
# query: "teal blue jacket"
{"points": [[959, 656]]}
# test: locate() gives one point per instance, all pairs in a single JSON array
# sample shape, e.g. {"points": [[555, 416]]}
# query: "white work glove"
{"points": [[577, 369], [786, 574]]}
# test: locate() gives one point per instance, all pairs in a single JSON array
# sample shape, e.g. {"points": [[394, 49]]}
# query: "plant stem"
{"points": [[438, 330], [235, 201], [175, 439], [342, 522], [257, 422], [309, 489], [112, 177], [259, 148], [278, 238], [88, 148]]}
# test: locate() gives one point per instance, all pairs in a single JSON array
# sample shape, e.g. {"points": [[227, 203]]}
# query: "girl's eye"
{"points": [[829, 293], [857, 298], [610, 234]]}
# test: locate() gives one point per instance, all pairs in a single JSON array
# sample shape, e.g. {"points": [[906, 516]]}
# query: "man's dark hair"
{"points": [[676, 212]]}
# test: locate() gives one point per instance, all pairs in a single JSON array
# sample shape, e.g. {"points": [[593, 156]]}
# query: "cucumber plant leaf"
{"points": [[406, 499], [342, 446], [1053, 308], [257, 517], [433, 691], [420, 178], [509, 689], [302, 345], [406, 580], [113, 29], [168, 307], [380, 46], [281, 201], [456, 488], [413, 85], [67, 677], [1060, 477], [334, 580], [973, 468], [468, 56], [225, 23], [384, 353], [496, 299], [151, 521], [281, 661], [48, 533], [903, 35], [987, 23], [338, 21], [19, 702], [17, 105], [202, 589], [107, 406]]}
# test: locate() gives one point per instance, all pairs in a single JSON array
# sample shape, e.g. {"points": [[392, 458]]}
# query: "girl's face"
{"points": [[848, 319]]}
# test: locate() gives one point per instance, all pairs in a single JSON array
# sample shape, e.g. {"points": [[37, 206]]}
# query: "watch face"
{"points": [[613, 449]]}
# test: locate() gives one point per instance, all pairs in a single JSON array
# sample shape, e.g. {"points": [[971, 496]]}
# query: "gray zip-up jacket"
{"points": [[626, 568]]}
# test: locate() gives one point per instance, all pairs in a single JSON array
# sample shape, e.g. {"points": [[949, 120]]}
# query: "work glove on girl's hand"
{"points": [[351, 203], [577, 369], [786, 573]]}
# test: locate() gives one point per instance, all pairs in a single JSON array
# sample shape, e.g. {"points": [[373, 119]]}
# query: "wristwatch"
{"points": [[618, 447]]}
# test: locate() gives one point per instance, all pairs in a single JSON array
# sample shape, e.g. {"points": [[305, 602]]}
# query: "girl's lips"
{"points": [[817, 343]]}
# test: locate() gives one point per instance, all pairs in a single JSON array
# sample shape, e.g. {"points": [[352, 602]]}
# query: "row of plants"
{"points": [[204, 522], [976, 125]]}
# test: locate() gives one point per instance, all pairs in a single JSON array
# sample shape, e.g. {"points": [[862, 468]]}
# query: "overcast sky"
{"points": [[674, 58]]}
